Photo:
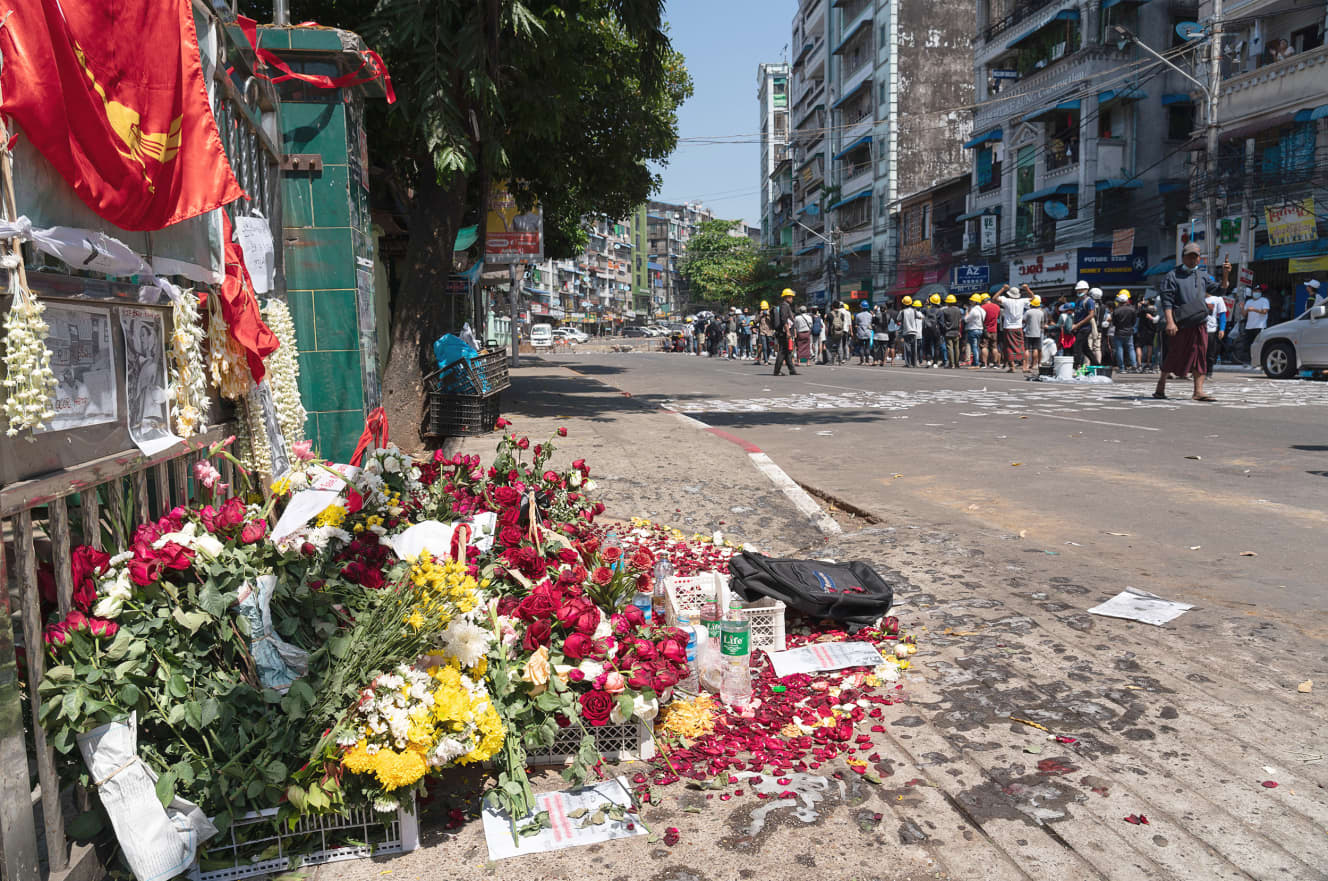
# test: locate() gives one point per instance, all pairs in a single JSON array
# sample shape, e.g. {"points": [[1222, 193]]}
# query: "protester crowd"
{"points": [[1011, 328]]}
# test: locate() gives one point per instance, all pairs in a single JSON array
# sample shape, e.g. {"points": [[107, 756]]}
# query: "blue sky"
{"points": [[723, 42]]}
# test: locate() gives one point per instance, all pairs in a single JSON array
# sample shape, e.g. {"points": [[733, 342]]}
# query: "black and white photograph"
{"points": [[147, 405], [82, 360]]}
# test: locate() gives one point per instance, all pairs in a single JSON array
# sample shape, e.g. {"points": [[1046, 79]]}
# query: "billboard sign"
{"points": [[511, 235]]}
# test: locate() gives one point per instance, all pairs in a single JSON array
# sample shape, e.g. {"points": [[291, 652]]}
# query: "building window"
{"points": [[1063, 145], [926, 222], [1025, 175], [989, 170], [1180, 121]]}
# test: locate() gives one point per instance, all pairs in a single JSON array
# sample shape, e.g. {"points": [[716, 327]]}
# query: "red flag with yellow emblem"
{"points": [[112, 94]]}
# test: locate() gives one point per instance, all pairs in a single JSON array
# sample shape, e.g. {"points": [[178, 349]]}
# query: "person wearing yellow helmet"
{"points": [[908, 301], [974, 318], [1035, 319], [934, 299], [1124, 323], [765, 305], [990, 332], [950, 298], [784, 333], [951, 321]]}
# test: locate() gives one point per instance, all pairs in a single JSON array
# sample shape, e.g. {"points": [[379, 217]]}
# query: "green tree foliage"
{"points": [[722, 268], [570, 99]]}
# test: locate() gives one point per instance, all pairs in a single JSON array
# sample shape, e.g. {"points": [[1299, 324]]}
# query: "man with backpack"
{"points": [[841, 325], [782, 318], [818, 328]]}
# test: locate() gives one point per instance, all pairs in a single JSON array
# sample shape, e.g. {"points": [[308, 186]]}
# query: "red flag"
{"points": [[112, 94], [239, 307]]}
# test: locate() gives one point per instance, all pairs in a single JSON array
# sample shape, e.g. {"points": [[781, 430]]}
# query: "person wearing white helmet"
{"points": [[1085, 321]]}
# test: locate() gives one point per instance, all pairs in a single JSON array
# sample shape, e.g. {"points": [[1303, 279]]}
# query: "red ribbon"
{"points": [[375, 432], [369, 59]]}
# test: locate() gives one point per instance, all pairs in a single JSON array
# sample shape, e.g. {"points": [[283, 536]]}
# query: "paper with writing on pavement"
{"points": [[564, 831], [825, 656], [1140, 605]]}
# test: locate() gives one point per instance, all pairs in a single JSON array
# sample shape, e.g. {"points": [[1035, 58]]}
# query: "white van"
{"points": [[541, 335]]}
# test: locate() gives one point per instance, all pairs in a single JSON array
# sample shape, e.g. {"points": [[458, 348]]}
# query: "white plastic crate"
{"points": [[355, 835], [685, 595], [627, 742]]}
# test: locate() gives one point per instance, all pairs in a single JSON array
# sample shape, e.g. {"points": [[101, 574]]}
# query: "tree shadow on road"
{"points": [[572, 396], [798, 418]]}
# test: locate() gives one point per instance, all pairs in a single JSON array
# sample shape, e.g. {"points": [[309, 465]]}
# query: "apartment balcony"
{"points": [[1039, 90], [857, 178], [1025, 16], [1275, 90], [859, 128]]}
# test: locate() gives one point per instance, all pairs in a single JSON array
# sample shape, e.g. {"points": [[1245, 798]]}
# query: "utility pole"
{"points": [[513, 298], [1214, 91]]}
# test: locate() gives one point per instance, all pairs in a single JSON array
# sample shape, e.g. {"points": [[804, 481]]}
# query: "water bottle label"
{"points": [[713, 629], [735, 644]]}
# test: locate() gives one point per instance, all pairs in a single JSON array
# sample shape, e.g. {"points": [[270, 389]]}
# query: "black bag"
{"points": [[849, 592], [1190, 313]]}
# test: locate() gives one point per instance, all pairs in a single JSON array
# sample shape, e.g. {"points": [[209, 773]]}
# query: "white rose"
{"points": [[108, 607], [391, 465], [120, 587], [575, 480], [590, 668], [604, 629], [209, 546], [616, 716], [590, 486], [645, 710]]}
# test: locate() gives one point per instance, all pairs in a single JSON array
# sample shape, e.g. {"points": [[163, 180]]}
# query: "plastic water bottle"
{"points": [[643, 600], [707, 652], [691, 683], [735, 649], [659, 597], [611, 541]]}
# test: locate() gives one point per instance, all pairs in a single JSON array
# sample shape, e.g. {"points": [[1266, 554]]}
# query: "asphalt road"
{"points": [[1192, 486]]}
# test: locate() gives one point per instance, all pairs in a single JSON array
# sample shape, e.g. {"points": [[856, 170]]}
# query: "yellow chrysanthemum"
{"points": [[358, 760], [397, 769], [491, 740], [333, 515], [415, 619]]}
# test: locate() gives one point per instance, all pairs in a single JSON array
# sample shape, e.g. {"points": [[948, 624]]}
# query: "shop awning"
{"points": [[1118, 183], [1309, 115], [1162, 268], [1066, 106], [1128, 93], [1296, 249], [1063, 15], [864, 84], [807, 250], [1050, 192], [1176, 98], [984, 138], [538, 292], [1170, 186], [974, 215], [812, 209], [1107, 4], [857, 29], [655, 266], [859, 248], [860, 142], [466, 237], [860, 194]]}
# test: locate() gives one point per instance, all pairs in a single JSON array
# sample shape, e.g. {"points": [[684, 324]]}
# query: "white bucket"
{"points": [[1063, 366]]}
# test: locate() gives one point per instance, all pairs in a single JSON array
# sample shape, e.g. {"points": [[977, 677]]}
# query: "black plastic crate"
{"points": [[460, 415], [484, 375]]}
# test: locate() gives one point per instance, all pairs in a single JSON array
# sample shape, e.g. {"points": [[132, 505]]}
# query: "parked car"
{"points": [[1285, 349], [570, 334], [541, 335], [635, 332]]}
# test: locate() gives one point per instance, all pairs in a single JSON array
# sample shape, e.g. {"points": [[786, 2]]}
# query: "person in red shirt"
{"points": [[990, 330]]}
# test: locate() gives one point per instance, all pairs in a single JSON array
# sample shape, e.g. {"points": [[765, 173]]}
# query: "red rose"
{"points": [[642, 559], [580, 465], [623, 623], [502, 423], [599, 508], [590, 544], [551, 477], [76, 620], [595, 708], [354, 501], [575, 675], [510, 516], [102, 627], [890, 625], [611, 555], [56, 634], [536, 606], [663, 678], [639, 679], [646, 649], [144, 572], [562, 431], [577, 646], [537, 634], [568, 556], [507, 496], [253, 531], [523, 444], [175, 556], [509, 535], [673, 651], [587, 621], [231, 514], [603, 575]]}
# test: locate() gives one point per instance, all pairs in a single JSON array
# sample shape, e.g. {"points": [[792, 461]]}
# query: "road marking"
{"points": [[846, 388], [785, 484], [1096, 422]]}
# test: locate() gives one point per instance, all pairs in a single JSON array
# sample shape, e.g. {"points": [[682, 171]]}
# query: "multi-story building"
{"points": [[930, 236], [668, 229], [1272, 121], [1079, 140], [880, 91], [776, 179], [599, 288]]}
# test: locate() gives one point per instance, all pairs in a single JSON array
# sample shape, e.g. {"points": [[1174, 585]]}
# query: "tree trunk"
{"points": [[417, 316]]}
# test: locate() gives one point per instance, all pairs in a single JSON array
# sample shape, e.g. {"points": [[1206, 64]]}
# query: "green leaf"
{"points": [[255, 788], [86, 825], [166, 788], [317, 799], [119, 646], [274, 772], [128, 695], [193, 715], [177, 686], [208, 711], [211, 601], [302, 693], [297, 797], [337, 645], [176, 714], [72, 703], [184, 772], [576, 814], [190, 621], [62, 673]]}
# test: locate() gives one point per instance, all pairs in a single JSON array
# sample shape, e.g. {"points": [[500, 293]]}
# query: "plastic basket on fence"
{"points": [[485, 374], [245, 850], [685, 594], [460, 415], [618, 743]]}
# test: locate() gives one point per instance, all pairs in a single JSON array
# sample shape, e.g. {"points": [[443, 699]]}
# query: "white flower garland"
{"points": [[188, 381], [254, 452], [29, 382], [226, 361], [284, 372]]}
